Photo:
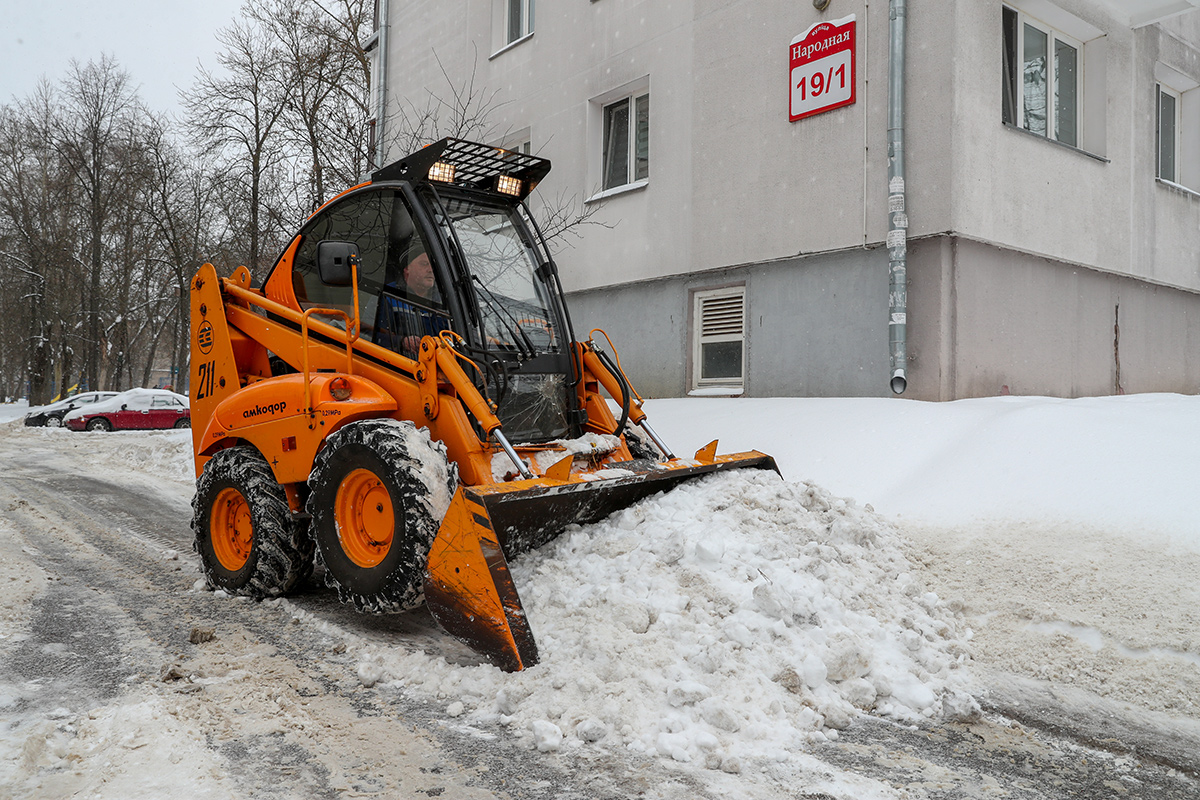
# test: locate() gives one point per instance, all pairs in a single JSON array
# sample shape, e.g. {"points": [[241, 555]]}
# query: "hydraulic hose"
{"points": [[626, 390]]}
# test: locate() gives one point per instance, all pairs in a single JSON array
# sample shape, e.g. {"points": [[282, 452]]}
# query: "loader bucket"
{"points": [[467, 583]]}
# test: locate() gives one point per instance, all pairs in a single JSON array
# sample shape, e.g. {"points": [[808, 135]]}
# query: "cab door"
{"points": [[394, 248]]}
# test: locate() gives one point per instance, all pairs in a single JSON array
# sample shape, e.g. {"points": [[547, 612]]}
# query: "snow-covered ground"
{"points": [[1119, 464], [11, 411], [915, 556]]}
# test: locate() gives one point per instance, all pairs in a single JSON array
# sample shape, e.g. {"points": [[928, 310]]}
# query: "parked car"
{"points": [[51, 415], [137, 409]]}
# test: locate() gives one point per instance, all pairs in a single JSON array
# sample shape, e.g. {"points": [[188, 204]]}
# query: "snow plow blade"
{"points": [[467, 583]]}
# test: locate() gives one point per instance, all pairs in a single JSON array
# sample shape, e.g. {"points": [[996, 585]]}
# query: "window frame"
{"points": [[525, 20], [1177, 97], [632, 177], [1053, 37], [516, 141], [699, 339]]}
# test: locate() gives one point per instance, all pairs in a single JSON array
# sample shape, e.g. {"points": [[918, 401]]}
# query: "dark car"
{"points": [[51, 415], [137, 409]]}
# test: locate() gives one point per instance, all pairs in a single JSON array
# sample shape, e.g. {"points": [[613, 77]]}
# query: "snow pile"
{"points": [[139, 750], [736, 617], [164, 454], [13, 411], [595, 445], [1121, 464]]}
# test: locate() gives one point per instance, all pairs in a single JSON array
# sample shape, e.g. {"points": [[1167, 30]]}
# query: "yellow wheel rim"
{"points": [[366, 521], [231, 530]]}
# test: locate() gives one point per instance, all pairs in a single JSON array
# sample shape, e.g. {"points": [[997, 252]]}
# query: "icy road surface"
{"points": [[740, 637]]}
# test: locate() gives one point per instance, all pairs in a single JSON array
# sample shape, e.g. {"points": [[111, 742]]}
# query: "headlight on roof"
{"points": [[507, 184], [442, 171]]}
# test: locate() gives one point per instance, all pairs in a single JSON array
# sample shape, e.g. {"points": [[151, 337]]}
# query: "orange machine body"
{"points": [[335, 378]]}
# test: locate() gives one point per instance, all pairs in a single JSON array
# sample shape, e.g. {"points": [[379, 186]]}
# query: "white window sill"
{"points": [[511, 45], [1178, 187], [616, 190], [717, 391], [1055, 142]]}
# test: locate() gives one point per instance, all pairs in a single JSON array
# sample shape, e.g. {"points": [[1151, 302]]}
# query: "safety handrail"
{"points": [[351, 338]]}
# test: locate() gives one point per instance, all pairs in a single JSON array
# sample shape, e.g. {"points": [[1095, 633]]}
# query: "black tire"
{"points": [[279, 554], [53, 422], [183, 423], [639, 446], [98, 424], [363, 461]]}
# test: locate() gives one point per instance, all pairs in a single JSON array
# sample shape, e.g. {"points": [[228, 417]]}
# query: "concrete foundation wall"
{"points": [[984, 320], [816, 326]]}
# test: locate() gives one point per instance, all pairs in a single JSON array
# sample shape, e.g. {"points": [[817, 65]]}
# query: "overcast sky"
{"points": [[158, 42]]}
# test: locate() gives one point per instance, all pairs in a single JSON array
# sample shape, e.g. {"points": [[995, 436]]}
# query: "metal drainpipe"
{"points": [[897, 237], [381, 79]]}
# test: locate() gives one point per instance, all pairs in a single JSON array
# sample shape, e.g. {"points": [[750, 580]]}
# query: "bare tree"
{"points": [[181, 198], [327, 105], [463, 110], [97, 117], [237, 117], [38, 236]]}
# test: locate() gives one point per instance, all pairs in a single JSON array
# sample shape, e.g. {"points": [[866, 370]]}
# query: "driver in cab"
{"points": [[419, 284], [420, 312]]}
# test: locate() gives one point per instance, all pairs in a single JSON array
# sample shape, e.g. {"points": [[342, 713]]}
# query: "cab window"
{"points": [[400, 294]]}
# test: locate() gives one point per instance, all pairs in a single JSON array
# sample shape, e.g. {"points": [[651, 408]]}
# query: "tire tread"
{"points": [[282, 551], [420, 469]]}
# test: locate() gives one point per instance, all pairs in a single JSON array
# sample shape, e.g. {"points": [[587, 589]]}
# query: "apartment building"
{"points": [[747, 232]]}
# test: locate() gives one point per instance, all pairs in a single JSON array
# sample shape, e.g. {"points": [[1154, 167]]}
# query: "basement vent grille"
{"points": [[722, 316]]}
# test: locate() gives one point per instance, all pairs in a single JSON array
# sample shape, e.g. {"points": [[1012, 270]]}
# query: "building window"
{"points": [[719, 355], [626, 147], [1167, 109], [520, 19], [1043, 88], [1176, 122]]}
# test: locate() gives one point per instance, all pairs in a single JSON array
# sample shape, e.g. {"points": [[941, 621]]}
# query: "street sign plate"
{"points": [[822, 68]]}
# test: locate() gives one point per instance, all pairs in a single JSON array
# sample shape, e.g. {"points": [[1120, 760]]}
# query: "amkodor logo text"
{"points": [[258, 411]]}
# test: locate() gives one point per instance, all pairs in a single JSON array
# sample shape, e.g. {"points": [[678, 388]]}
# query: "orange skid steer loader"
{"points": [[405, 397]]}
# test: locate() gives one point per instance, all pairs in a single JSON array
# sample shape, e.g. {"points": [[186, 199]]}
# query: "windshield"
{"points": [[514, 304], [530, 383]]}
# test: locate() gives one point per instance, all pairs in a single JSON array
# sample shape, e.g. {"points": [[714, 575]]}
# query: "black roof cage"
{"points": [[475, 165]]}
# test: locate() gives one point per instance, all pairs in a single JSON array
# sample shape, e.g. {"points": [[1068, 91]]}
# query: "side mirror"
{"points": [[334, 260]]}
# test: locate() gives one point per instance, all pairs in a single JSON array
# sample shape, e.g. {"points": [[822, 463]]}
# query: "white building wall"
{"points": [[1032, 195], [733, 183]]}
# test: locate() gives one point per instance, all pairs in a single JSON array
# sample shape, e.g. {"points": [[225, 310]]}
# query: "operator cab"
{"points": [[446, 243]]}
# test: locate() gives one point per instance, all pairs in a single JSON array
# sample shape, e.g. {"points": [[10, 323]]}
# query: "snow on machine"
{"points": [[405, 395]]}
